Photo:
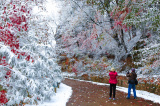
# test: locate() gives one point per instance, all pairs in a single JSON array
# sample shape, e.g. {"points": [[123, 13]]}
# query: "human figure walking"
{"points": [[131, 81], [113, 81]]}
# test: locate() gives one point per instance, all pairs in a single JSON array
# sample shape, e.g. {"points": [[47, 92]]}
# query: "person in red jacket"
{"points": [[113, 81]]}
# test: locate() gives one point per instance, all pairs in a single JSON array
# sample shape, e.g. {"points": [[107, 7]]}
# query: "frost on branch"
{"points": [[27, 61], [116, 30]]}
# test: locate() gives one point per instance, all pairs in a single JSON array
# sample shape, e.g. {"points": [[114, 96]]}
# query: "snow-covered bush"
{"points": [[28, 68]]}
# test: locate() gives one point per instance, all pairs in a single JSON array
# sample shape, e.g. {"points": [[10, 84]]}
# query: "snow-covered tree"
{"points": [[28, 61], [104, 28]]}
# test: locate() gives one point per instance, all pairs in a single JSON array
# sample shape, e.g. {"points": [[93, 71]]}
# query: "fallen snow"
{"points": [[64, 93], [140, 93], [143, 94], [60, 98], [66, 74]]}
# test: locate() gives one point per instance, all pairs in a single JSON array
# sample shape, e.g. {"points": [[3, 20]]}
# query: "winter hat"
{"points": [[112, 69], [133, 69]]}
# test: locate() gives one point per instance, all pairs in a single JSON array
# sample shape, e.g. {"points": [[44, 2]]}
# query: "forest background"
{"points": [[94, 35]]}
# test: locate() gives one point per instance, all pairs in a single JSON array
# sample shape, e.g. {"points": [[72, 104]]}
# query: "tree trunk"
{"points": [[133, 31], [123, 43]]}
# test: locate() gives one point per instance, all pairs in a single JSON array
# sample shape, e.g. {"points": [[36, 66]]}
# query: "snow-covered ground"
{"points": [[60, 98], [140, 93], [64, 93]]}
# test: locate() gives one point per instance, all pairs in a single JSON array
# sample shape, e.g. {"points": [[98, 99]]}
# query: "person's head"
{"points": [[112, 69], [133, 69]]}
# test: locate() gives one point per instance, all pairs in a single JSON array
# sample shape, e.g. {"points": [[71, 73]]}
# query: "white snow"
{"points": [[143, 94], [60, 98], [66, 74], [140, 93], [64, 93]]}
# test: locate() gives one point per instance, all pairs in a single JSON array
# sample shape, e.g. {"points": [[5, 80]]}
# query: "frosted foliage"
{"points": [[79, 66], [28, 71], [114, 31], [86, 30], [149, 58], [78, 39]]}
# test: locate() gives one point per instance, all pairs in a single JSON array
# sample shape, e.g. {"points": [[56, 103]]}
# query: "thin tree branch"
{"points": [[85, 12]]}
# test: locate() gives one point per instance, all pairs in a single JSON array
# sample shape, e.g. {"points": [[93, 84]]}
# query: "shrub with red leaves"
{"points": [[3, 99]]}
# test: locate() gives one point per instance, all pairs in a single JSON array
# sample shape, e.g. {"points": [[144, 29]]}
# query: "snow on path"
{"points": [[140, 93], [64, 93]]}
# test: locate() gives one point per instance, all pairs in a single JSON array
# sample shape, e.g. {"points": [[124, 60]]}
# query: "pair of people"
{"points": [[113, 81]]}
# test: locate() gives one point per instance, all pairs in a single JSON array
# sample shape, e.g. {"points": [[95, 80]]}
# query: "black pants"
{"points": [[113, 87]]}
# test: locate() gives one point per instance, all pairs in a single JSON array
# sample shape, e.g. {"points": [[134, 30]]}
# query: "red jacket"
{"points": [[113, 79]]}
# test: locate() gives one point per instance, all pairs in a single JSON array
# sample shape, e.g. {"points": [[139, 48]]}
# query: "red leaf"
{"points": [[28, 58]]}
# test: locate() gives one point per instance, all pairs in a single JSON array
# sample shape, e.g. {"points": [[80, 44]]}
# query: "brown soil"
{"points": [[88, 94]]}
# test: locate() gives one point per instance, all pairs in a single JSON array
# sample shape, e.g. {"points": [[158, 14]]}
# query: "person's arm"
{"points": [[136, 75], [128, 75]]}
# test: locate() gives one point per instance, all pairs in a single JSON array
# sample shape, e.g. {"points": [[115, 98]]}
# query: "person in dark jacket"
{"points": [[132, 78], [113, 81]]}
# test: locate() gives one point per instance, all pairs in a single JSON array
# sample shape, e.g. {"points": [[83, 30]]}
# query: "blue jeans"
{"points": [[129, 90]]}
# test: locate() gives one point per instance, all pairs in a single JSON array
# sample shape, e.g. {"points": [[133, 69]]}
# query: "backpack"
{"points": [[136, 82]]}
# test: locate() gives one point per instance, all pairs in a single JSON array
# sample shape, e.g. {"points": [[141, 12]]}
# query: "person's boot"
{"points": [[135, 97], [127, 97]]}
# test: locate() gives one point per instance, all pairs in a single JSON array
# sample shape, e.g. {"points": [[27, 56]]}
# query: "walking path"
{"points": [[88, 94]]}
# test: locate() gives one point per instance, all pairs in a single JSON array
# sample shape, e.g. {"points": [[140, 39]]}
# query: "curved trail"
{"points": [[88, 94]]}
